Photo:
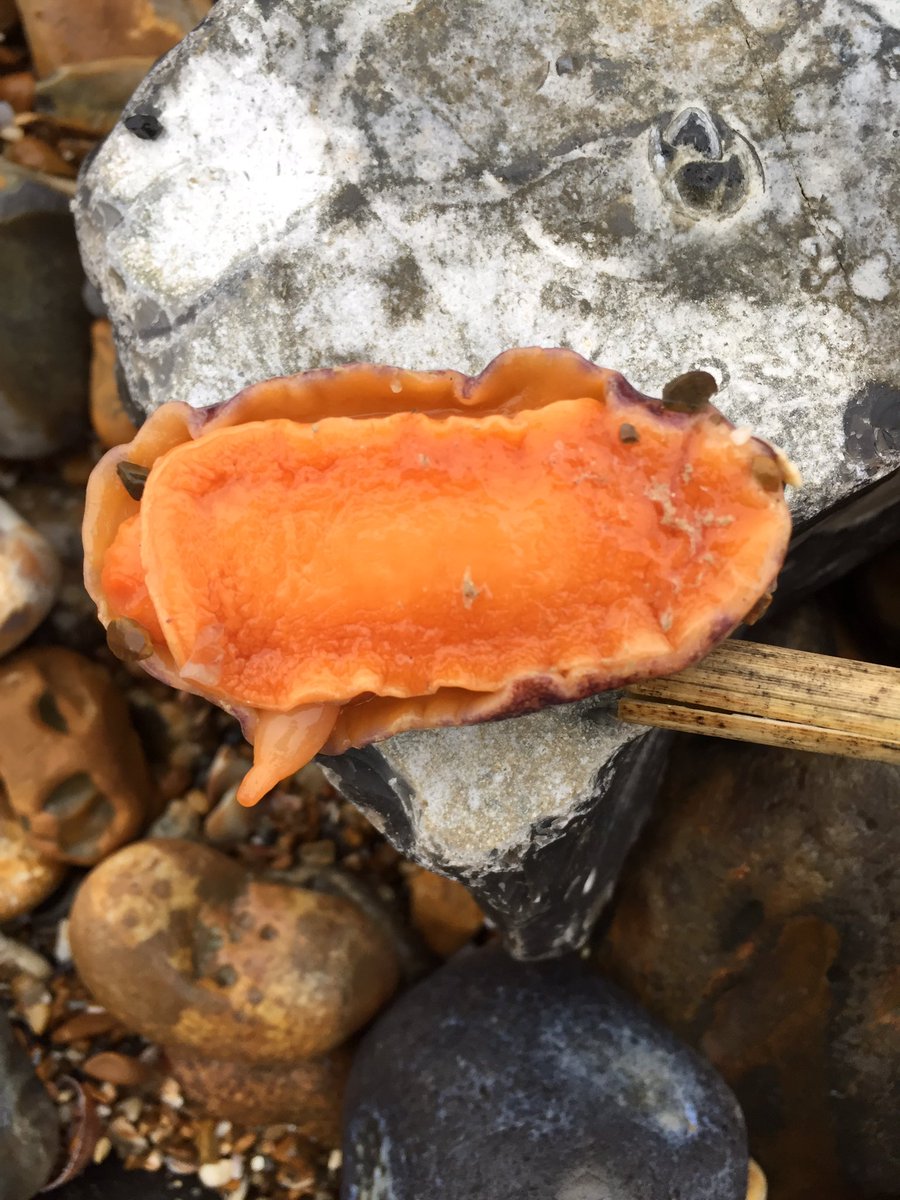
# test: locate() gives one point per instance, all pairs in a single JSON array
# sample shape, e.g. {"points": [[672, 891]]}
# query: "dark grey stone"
{"points": [[44, 326], [497, 1080], [29, 1126]]}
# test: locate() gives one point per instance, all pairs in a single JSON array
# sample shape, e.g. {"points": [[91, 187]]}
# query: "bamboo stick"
{"points": [[777, 697]]}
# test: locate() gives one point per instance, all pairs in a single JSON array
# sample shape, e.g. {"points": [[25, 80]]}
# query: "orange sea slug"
{"points": [[342, 555]]}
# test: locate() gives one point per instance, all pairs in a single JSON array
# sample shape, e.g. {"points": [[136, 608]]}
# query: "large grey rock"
{"points": [[715, 184], [29, 1126]]}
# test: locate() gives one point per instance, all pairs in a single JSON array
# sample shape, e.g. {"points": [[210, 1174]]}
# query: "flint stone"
{"points": [[501, 1079], [29, 1126], [305, 184], [535, 815]]}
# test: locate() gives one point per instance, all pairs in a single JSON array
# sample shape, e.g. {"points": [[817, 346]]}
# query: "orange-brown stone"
{"points": [[307, 1093], [184, 946], [111, 422], [60, 32], [443, 911], [72, 765]]}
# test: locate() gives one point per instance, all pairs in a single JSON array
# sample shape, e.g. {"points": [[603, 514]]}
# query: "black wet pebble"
{"points": [[146, 126], [501, 1080]]}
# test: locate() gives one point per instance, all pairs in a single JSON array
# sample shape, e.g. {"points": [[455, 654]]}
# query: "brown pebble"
{"points": [[628, 434], [443, 912], [90, 96], [689, 392], [26, 876], [119, 1069], [111, 422], [752, 920], [71, 762], [230, 823], [60, 32], [17, 89], [183, 971], [318, 854], [84, 1025], [37, 155], [308, 1094]]}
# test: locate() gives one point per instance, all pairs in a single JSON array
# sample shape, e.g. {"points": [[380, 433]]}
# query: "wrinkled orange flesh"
{"points": [[296, 564], [368, 573]]}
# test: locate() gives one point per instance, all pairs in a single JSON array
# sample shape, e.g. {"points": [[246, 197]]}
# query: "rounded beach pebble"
{"points": [[187, 948], [526, 1081]]}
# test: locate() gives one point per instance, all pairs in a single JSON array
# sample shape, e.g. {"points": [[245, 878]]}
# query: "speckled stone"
{"points": [[183, 945], [528, 1081], [693, 186], [44, 344], [29, 1126], [534, 815], [661, 194], [758, 919], [305, 1093]]}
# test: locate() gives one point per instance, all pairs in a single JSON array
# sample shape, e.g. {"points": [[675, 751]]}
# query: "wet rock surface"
{"points": [[187, 948], [71, 763], [44, 343], [758, 919], [534, 815], [29, 578], [29, 1127], [502, 1079]]}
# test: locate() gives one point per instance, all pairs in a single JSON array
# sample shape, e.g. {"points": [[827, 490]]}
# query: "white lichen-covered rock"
{"points": [[711, 184]]}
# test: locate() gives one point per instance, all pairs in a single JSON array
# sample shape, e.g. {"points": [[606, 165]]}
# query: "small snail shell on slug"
{"points": [[342, 555]]}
